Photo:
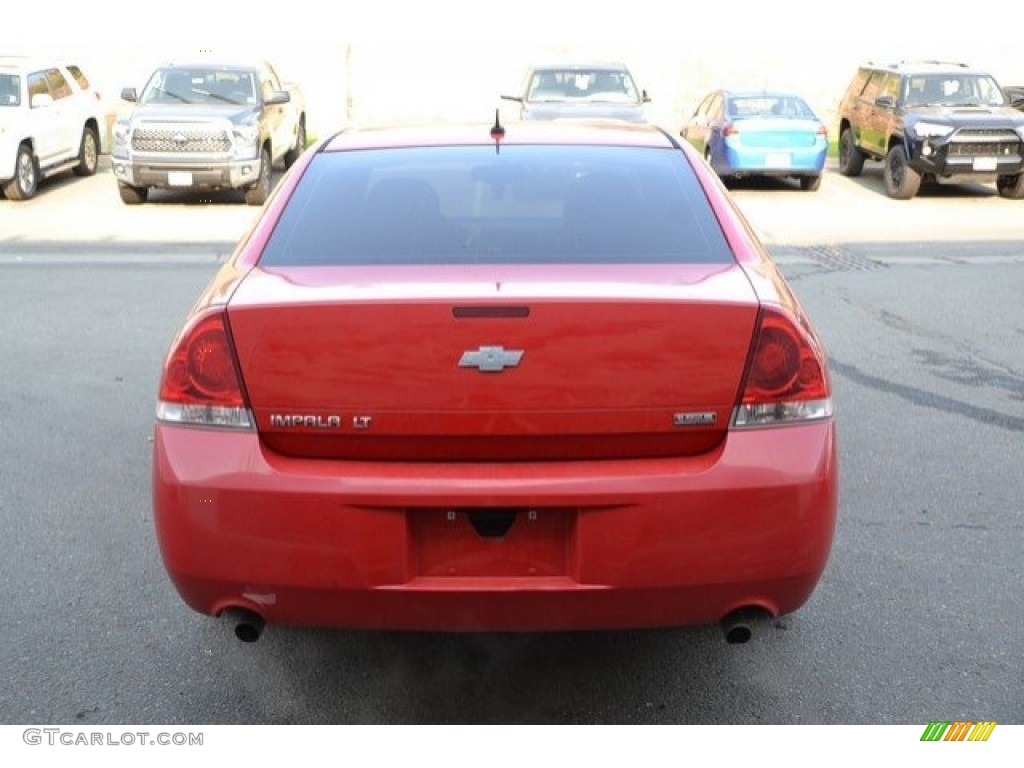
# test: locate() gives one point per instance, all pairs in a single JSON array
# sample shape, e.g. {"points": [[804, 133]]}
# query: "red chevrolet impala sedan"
{"points": [[477, 378]]}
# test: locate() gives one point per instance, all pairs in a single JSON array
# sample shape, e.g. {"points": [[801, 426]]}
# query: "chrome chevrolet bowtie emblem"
{"points": [[491, 359]]}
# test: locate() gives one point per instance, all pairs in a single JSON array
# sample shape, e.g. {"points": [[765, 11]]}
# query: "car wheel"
{"points": [[258, 193], [300, 146], [26, 176], [851, 159], [88, 153], [810, 183], [132, 195], [1011, 187], [901, 181]]}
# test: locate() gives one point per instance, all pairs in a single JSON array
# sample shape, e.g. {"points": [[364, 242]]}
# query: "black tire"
{"points": [[901, 181], [132, 195], [26, 176], [88, 153], [1011, 187], [810, 183], [851, 159], [258, 193], [295, 152]]}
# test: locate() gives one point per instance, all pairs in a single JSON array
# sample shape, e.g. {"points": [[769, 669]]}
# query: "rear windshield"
{"points": [[475, 205], [768, 105]]}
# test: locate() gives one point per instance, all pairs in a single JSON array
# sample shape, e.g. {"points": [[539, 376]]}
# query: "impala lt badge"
{"points": [[311, 420], [491, 359]]}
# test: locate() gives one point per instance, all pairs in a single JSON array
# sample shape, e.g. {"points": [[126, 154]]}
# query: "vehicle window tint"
{"points": [[10, 90], [37, 85], [595, 84], [874, 87], [79, 75], [58, 85], [860, 81], [770, 105], [890, 87], [471, 205], [230, 86]]}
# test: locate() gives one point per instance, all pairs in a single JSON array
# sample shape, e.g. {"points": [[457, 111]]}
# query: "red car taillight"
{"points": [[787, 379], [200, 383], [729, 129]]}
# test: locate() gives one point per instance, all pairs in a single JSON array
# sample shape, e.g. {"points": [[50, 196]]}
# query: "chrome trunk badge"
{"points": [[490, 359], [694, 418]]}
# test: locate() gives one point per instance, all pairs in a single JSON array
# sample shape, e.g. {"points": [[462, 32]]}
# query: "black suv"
{"points": [[931, 121]]}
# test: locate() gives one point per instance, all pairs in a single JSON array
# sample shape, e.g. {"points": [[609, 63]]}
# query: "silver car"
{"points": [[581, 91]]}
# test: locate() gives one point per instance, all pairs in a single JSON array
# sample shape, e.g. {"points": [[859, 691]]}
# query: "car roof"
{"points": [[753, 93], [32, 63], [574, 65], [926, 67], [554, 132], [213, 64]]}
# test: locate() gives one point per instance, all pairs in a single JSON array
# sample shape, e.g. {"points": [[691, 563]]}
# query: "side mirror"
{"points": [[513, 98], [278, 97], [885, 102], [40, 100], [129, 94]]}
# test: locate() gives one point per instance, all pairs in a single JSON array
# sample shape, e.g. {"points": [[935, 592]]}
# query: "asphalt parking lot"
{"points": [[917, 618], [72, 215]]}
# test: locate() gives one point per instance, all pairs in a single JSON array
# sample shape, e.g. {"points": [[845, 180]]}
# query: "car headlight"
{"points": [[121, 132], [928, 130], [247, 141]]}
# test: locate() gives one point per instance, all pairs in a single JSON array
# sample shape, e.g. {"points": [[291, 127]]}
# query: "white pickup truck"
{"points": [[208, 125]]}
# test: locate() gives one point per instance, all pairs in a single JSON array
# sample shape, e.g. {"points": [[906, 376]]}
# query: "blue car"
{"points": [[759, 133]]}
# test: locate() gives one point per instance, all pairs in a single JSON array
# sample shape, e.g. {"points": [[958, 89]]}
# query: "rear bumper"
{"points": [[592, 545], [762, 161]]}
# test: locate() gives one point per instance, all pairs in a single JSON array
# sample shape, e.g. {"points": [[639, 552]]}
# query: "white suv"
{"points": [[51, 120]]}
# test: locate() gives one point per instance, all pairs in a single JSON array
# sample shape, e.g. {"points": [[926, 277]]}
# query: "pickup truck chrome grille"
{"points": [[181, 139]]}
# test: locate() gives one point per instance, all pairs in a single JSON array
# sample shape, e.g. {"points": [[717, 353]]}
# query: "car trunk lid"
{"points": [[519, 363]]}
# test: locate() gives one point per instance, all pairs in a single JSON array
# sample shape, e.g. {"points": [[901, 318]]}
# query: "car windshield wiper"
{"points": [[172, 94]]}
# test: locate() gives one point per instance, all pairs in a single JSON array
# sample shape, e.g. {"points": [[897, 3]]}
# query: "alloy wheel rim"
{"points": [[90, 151], [26, 173]]}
